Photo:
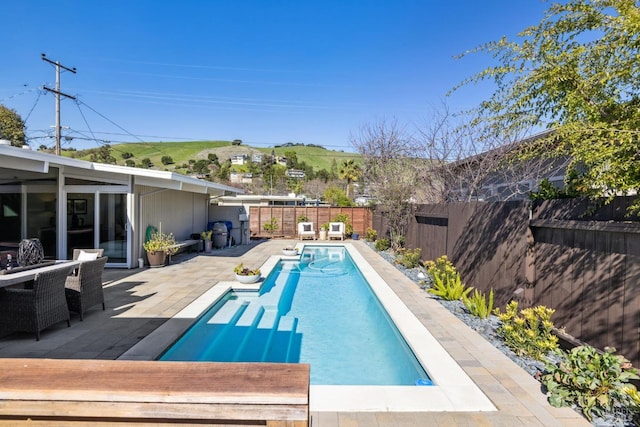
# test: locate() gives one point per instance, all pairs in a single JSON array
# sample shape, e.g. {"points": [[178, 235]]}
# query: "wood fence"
{"points": [[581, 261], [287, 218]]}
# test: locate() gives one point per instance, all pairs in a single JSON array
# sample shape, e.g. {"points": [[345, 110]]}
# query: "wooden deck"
{"points": [[140, 393]]}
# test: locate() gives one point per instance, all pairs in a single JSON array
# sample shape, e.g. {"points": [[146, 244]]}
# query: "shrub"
{"points": [[271, 226], [530, 333], [408, 257], [596, 382], [448, 287], [440, 267], [302, 218], [382, 245], [477, 304], [166, 160], [371, 235]]}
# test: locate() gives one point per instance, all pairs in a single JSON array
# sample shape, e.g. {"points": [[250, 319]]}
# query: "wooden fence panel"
{"points": [[287, 218], [582, 261]]}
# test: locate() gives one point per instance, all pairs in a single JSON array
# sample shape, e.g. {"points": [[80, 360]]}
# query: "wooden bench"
{"points": [[144, 393], [183, 245]]}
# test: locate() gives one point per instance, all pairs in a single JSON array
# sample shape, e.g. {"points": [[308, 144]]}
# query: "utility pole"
{"points": [[58, 95]]}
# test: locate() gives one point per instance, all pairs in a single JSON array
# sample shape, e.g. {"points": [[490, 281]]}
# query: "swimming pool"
{"points": [[453, 389], [317, 310]]}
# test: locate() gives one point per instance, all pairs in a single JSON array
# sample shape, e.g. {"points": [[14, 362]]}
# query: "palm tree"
{"points": [[350, 171]]}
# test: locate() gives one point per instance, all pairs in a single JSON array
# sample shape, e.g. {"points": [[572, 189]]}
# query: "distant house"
{"points": [[257, 157], [240, 177], [70, 203], [239, 159], [514, 181], [295, 173], [281, 161]]}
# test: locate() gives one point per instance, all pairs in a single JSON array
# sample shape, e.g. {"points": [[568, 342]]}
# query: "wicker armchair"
{"points": [[85, 290], [32, 310]]}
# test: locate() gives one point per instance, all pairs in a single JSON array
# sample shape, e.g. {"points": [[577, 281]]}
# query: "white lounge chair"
{"points": [[305, 230], [336, 229]]}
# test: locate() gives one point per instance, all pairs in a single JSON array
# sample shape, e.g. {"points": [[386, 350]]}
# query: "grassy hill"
{"points": [[181, 152]]}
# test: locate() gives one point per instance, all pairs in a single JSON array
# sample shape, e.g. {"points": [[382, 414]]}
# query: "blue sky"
{"points": [[266, 72]]}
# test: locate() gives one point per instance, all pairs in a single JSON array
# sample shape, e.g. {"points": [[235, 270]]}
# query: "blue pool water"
{"points": [[318, 310]]}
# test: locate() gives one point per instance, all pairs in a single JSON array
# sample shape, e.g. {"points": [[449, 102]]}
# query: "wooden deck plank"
{"points": [[152, 390]]}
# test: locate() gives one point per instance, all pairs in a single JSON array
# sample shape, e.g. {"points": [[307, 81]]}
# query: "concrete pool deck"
{"points": [[140, 301]]}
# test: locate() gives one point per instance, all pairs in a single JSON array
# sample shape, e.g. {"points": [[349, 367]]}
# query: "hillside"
{"points": [[181, 152]]}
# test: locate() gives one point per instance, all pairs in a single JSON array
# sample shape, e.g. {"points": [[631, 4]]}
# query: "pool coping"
{"points": [[453, 390]]}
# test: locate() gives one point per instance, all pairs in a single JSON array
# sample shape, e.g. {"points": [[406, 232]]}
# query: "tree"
{"points": [[103, 155], [350, 171], [213, 158], [336, 196], [166, 160], [292, 159], [11, 127], [460, 163], [391, 170], [575, 72]]}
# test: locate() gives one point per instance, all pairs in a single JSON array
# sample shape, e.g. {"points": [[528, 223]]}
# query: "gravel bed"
{"points": [[488, 329]]}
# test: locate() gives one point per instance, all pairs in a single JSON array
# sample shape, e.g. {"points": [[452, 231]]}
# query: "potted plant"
{"points": [[322, 235], [206, 236], [246, 275], [158, 247], [290, 251]]}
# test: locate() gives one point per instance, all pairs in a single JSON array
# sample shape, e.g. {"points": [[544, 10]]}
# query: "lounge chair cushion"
{"points": [[335, 227], [306, 227], [87, 256]]}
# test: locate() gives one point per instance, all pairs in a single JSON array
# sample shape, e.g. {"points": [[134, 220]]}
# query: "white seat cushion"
{"points": [[87, 256]]}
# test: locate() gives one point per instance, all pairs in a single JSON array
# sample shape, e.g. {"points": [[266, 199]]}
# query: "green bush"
{"points": [[595, 382], [528, 333], [410, 258], [370, 234], [271, 226], [440, 267], [448, 286], [382, 245], [477, 304]]}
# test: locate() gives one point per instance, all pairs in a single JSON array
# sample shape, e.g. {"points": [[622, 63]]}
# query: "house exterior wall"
{"points": [[172, 211]]}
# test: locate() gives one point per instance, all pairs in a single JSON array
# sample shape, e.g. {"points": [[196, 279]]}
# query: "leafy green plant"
{"points": [[478, 305], [596, 382], [302, 218], [528, 333], [382, 245], [271, 226], [241, 270], [448, 287], [370, 234], [206, 235], [410, 258], [440, 267]]}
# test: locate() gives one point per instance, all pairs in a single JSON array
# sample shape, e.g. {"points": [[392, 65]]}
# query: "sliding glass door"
{"points": [[98, 219], [113, 226]]}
